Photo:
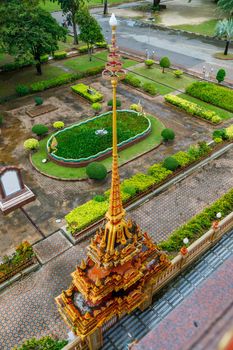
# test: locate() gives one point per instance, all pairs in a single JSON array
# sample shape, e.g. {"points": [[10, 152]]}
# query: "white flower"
{"points": [[218, 215], [186, 240]]}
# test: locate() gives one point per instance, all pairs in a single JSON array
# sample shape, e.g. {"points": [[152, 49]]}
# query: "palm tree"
{"points": [[224, 30], [226, 6]]}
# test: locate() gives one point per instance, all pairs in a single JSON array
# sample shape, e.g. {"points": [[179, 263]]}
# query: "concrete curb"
{"points": [[16, 277]]}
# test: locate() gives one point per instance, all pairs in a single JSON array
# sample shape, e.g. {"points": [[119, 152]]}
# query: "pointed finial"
{"points": [[113, 20], [83, 265], [98, 282]]}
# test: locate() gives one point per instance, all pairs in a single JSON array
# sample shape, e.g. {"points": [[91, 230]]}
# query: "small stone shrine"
{"points": [[122, 261], [13, 192]]}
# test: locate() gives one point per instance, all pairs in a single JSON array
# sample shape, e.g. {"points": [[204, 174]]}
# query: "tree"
{"points": [[27, 31], [164, 63], [224, 30], [71, 8], [220, 76], [226, 6], [90, 30]]}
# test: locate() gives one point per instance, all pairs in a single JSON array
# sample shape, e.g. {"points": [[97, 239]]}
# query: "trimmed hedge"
{"points": [[92, 211], [193, 108], [199, 224], [82, 90], [215, 94], [58, 55], [41, 344], [134, 81]]}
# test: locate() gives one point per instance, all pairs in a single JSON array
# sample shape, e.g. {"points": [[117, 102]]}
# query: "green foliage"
{"points": [[220, 75], [96, 106], [58, 55], [217, 95], [193, 108], [197, 151], [129, 189], [96, 171], [83, 49], [22, 90], [39, 129], [47, 343], [164, 63], [139, 181], [31, 144], [199, 224], [58, 125], [229, 132], [118, 103], [218, 139], [29, 31], [44, 58], [81, 141], [132, 80], [150, 88], [168, 134], [182, 158], [99, 198], [82, 90], [178, 73], [170, 163], [220, 133], [85, 215], [149, 63], [1, 119], [224, 30], [38, 100], [159, 173], [102, 44], [18, 64], [136, 107], [226, 6], [22, 253]]}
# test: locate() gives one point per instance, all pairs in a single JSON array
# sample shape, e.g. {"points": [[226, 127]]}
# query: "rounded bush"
{"points": [[96, 171], [99, 198], [39, 129], [178, 73], [22, 90], [220, 76], [96, 106], [149, 63], [58, 125], [217, 139], [149, 88], [118, 103], [168, 134], [216, 119], [164, 63], [31, 144], [170, 163], [136, 107], [38, 101], [220, 133]]}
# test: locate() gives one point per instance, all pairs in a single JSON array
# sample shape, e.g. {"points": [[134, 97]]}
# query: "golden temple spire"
{"points": [[116, 231]]}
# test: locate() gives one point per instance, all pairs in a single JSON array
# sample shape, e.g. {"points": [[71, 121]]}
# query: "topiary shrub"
{"points": [[149, 88], [118, 103], [38, 101], [218, 139], [132, 80], [164, 63], [136, 107], [220, 76], [149, 63], [42, 344], [22, 90], [39, 129], [178, 73], [58, 125], [96, 106], [170, 163], [220, 133], [96, 171], [31, 144], [99, 198], [44, 58], [168, 134], [1, 119], [58, 55]]}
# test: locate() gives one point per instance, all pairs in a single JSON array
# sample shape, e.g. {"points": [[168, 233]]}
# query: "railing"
{"points": [[76, 344], [197, 248]]}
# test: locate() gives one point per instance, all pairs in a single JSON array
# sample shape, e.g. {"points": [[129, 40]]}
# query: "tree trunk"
{"points": [[156, 3], [38, 68], [163, 69], [74, 30], [90, 52], [105, 7], [227, 47]]}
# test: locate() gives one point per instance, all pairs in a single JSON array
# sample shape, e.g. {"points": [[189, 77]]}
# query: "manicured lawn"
{"points": [[10, 80], [98, 59], [50, 6], [205, 28], [130, 153], [221, 112], [155, 75]]}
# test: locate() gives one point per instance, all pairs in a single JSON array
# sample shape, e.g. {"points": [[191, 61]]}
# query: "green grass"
{"points": [[50, 168], [223, 114], [155, 75], [50, 6], [205, 28]]}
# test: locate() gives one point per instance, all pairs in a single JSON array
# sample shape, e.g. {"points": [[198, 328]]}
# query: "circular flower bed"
{"points": [[91, 140]]}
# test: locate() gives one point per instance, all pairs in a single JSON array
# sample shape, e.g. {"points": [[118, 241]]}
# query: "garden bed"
{"points": [[87, 92], [80, 144], [39, 110]]}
